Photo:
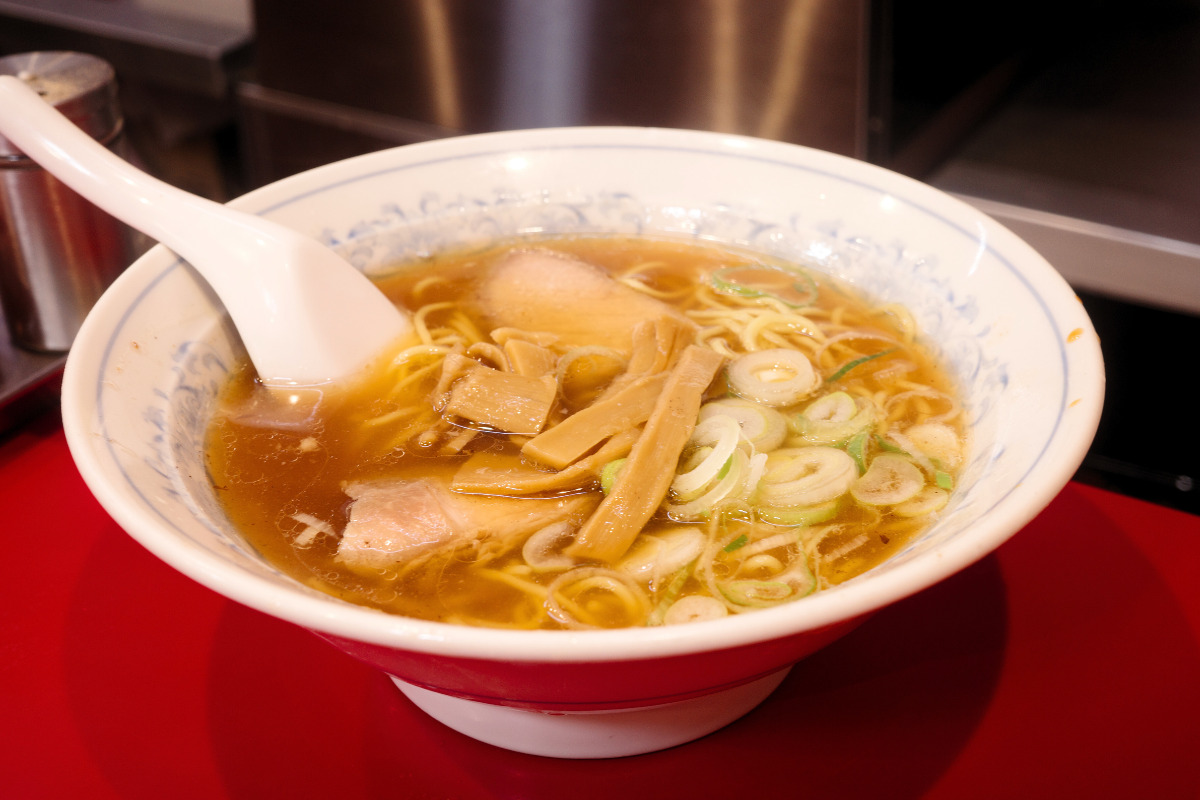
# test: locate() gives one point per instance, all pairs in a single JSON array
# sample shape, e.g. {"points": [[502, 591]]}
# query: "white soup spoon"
{"points": [[304, 314]]}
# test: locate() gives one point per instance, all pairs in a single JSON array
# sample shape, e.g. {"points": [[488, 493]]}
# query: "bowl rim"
{"points": [[304, 607]]}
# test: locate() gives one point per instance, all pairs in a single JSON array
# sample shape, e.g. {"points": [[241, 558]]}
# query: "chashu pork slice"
{"points": [[549, 292], [393, 521]]}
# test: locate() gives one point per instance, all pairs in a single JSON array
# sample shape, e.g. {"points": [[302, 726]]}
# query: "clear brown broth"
{"points": [[268, 465]]}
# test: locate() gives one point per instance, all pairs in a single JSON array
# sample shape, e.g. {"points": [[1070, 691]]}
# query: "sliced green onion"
{"points": [[890, 479], [737, 543], [777, 377], [724, 286], [756, 594], [793, 288], [805, 476], [658, 615], [754, 473], [912, 451], [715, 438], [938, 441], [655, 555], [841, 373], [760, 563], [799, 515], [929, 500], [762, 426], [943, 480], [695, 608], [785, 538], [793, 583], [726, 486], [609, 472], [833, 407], [800, 577], [831, 419], [856, 448]]}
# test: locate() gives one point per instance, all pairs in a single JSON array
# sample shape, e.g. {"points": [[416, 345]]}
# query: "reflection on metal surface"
{"points": [[443, 77], [786, 79], [544, 78], [724, 64], [873, 79], [791, 73], [793, 70]]}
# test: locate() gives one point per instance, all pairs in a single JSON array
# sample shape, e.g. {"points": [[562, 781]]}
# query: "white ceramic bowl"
{"points": [[142, 377]]}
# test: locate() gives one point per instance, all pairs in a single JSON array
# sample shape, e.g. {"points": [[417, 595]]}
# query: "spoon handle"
{"points": [[304, 314]]}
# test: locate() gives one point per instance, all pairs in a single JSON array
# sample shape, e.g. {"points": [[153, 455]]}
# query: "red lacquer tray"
{"points": [[1064, 665]]}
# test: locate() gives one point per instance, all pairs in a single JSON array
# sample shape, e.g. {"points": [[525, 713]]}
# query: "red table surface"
{"points": [[1064, 665]]}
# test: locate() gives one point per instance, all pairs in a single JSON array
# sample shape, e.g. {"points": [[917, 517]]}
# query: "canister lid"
{"points": [[79, 85]]}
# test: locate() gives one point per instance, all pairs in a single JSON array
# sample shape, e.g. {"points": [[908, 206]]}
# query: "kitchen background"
{"points": [[1074, 122]]}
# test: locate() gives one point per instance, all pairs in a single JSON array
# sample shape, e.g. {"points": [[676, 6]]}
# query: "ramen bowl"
{"points": [[144, 375]]}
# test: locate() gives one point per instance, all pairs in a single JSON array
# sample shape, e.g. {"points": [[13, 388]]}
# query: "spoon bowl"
{"points": [[287, 294]]}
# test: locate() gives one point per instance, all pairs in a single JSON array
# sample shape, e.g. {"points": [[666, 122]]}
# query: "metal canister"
{"points": [[58, 252]]}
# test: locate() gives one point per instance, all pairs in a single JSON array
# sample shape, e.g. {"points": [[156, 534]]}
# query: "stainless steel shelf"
{"points": [[1130, 265], [190, 53]]}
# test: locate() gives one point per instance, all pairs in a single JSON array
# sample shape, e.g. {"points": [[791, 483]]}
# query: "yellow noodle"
{"points": [[489, 353], [528, 587], [426, 283], [420, 316], [662, 294], [390, 417], [905, 324]]}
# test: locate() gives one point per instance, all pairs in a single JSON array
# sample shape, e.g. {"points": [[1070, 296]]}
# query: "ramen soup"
{"points": [[596, 433]]}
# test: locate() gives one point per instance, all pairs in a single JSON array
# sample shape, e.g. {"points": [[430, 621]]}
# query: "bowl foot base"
{"points": [[593, 734]]}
